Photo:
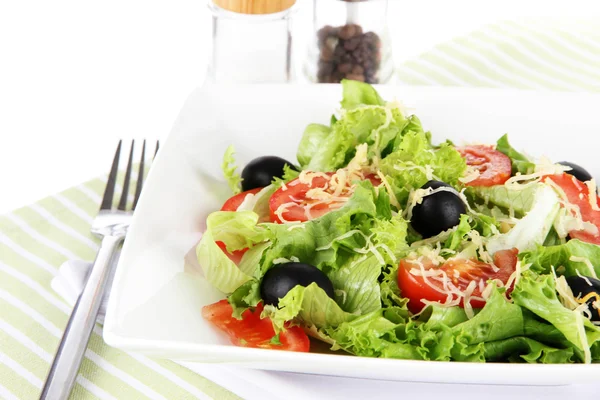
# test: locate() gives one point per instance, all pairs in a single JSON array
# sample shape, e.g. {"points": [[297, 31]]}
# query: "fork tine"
{"points": [[110, 183], [125, 192], [140, 180]]}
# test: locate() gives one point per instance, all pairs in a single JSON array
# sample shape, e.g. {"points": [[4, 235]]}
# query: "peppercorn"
{"points": [[346, 52]]}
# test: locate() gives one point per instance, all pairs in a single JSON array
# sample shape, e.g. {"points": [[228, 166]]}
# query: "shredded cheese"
{"points": [[587, 263]]}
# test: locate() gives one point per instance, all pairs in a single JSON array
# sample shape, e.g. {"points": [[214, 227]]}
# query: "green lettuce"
{"points": [[230, 170], [309, 305], [531, 231], [565, 258], [317, 242], [538, 295], [407, 167], [356, 285], [313, 140], [356, 94], [519, 200], [365, 118], [237, 230], [520, 163]]}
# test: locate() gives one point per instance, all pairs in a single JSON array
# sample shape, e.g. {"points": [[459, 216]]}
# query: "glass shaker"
{"points": [[251, 40], [350, 41]]}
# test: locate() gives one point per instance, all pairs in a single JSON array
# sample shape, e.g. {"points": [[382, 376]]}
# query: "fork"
{"points": [[111, 225]]}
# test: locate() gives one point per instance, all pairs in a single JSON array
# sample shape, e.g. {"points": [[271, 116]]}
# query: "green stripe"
{"points": [[550, 53], [79, 392], [30, 328], [79, 199], [108, 382], [411, 78], [56, 235], [30, 297], [22, 355], [67, 216], [16, 384], [10, 257], [429, 73], [205, 385], [456, 70], [137, 370], [519, 55], [481, 67], [30, 244], [500, 61]]}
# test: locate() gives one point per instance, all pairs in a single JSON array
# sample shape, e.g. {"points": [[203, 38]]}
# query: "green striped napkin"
{"points": [[36, 240], [551, 54]]}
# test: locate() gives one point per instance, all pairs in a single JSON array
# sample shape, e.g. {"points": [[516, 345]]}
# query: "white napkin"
{"points": [[260, 385]]}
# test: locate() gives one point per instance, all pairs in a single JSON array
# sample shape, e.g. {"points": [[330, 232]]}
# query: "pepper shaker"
{"points": [[350, 41], [251, 41]]}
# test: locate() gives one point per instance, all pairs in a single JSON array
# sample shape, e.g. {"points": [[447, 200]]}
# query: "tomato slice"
{"points": [[234, 202], [252, 331], [302, 208], [460, 272], [578, 194], [494, 167]]}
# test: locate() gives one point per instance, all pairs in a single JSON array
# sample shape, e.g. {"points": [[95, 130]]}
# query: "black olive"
{"points": [[261, 171], [580, 286], [577, 171], [282, 278], [438, 211]]}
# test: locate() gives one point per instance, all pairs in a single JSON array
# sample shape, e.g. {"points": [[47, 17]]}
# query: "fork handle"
{"points": [[73, 344]]}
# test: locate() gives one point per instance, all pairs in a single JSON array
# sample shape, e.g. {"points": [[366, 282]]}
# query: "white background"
{"points": [[76, 75]]}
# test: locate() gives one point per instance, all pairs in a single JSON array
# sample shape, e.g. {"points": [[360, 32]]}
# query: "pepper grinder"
{"points": [[252, 41], [350, 40]]}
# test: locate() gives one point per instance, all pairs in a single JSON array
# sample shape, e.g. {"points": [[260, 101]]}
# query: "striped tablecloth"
{"points": [[36, 240]]}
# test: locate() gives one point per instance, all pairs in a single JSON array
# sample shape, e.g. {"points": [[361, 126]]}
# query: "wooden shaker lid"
{"points": [[255, 6]]}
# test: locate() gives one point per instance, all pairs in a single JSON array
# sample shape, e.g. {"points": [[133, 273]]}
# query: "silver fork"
{"points": [[111, 225]]}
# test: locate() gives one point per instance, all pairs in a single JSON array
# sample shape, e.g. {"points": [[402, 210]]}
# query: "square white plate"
{"points": [[156, 297]]}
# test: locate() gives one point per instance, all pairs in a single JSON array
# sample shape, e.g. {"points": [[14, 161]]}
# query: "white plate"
{"points": [[155, 305]]}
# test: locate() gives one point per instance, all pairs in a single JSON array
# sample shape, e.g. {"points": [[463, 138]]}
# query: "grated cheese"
{"points": [[587, 263]]}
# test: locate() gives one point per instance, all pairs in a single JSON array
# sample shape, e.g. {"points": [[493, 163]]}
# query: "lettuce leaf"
{"points": [[229, 168], [312, 141], [562, 258], [407, 166], [316, 242], [519, 200], [356, 286], [520, 163], [237, 230], [538, 295], [356, 94], [531, 231], [310, 305], [521, 348]]}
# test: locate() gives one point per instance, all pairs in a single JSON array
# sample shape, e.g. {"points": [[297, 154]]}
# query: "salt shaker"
{"points": [[252, 41], [350, 40]]}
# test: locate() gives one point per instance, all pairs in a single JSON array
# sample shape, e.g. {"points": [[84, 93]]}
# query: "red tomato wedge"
{"points": [[578, 194], [494, 167], [460, 272], [252, 331], [234, 202], [302, 208]]}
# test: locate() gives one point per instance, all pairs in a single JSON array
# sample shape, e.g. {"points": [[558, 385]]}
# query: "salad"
{"points": [[381, 243]]}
